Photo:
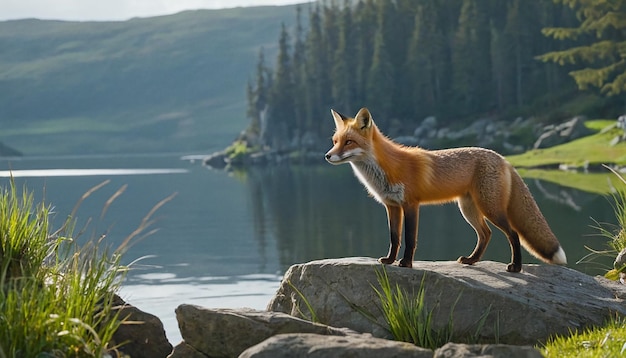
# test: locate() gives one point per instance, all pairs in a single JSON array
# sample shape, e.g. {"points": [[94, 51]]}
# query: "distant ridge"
{"points": [[165, 83]]}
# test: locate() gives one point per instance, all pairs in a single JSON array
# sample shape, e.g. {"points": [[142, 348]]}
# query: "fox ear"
{"points": [[339, 118], [363, 118]]}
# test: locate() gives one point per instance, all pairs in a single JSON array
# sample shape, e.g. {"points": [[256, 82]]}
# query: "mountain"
{"points": [[167, 83]]}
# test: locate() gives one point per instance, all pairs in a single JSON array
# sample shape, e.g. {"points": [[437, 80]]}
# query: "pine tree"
{"points": [[314, 71], [257, 95], [365, 27], [472, 58], [380, 83], [602, 38], [426, 63], [298, 73], [343, 70], [281, 112]]}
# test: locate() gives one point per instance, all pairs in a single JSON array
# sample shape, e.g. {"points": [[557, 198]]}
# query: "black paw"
{"points": [[466, 260], [405, 263], [513, 267]]}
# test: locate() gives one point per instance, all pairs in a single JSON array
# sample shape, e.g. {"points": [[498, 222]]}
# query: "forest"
{"points": [[457, 60]]}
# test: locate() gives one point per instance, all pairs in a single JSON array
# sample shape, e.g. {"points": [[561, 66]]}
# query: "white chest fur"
{"points": [[375, 180]]}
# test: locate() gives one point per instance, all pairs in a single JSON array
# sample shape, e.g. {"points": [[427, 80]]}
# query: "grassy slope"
{"points": [[164, 83], [594, 149]]}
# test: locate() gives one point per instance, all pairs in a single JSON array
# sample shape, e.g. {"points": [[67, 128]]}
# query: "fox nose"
{"points": [[327, 156]]}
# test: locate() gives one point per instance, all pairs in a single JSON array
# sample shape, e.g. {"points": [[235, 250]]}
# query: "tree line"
{"points": [[408, 59]]}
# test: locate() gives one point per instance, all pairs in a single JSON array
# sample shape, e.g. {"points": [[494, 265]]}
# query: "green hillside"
{"points": [[169, 83]]}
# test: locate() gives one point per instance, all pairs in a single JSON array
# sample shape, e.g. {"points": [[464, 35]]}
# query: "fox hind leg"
{"points": [[476, 219], [516, 252]]}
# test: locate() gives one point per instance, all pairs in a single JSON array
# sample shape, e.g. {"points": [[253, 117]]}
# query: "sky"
{"points": [[115, 10]]}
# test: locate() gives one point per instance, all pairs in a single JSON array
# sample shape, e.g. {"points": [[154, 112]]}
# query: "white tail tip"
{"points": [[559, 257]]}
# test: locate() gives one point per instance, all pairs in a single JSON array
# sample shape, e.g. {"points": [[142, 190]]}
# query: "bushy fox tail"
{"points": [[533, 230]]}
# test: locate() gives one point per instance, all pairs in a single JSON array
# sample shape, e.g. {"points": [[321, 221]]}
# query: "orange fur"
{"points": [[483, 183]]}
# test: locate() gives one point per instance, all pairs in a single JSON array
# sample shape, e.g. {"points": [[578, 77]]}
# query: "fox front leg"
{"points": [[411, 219], [395, 217]]}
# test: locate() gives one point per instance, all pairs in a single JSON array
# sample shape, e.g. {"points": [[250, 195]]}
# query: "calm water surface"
{"points": [[226, 239]]}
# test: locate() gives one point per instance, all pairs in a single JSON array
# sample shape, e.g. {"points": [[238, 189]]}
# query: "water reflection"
{"points": [[42, 173], [225, 239], [324, 212]]}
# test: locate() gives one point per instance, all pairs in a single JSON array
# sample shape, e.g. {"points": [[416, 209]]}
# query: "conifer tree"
{"points": [[365, 27], [257, 94], [426, 62], [381, 76], [343, 69], [298, 73], [472, 58], [281, 112], [315, 68], [601, 36]]}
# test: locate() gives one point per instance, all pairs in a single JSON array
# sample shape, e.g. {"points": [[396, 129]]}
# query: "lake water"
{"points": [[226, 239]]}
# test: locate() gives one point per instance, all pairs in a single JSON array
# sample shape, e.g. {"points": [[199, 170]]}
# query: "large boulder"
{"points": [[228, 332], [365, 346], [514, 308], [315, 345], [455, 350], [141, 334]]}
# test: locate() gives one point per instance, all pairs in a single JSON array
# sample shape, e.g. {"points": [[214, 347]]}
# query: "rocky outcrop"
{"points": [[558, 134], [455, 350], [519, 309], [141, 334], [315, 345], [504, 136], [249, 333], [228, 332]]}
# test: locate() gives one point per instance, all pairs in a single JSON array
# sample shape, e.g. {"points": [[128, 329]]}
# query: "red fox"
{"points": [[481, 181]]}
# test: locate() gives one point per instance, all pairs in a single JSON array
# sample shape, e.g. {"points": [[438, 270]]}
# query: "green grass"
{"points": [[56, 297], [598, 183], [410, 320], [592, 149], [609, 341], [65, 125]]}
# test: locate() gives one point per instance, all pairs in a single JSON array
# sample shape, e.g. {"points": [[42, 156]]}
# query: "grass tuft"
{"points": [[609, 341], [615, 233], [57, 299], [410, 320]]}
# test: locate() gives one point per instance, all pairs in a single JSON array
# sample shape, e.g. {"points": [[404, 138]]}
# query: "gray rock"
{"points": [[521, 308], [216, 160], [429, 122], [407, 140], [454, 350], [228, 332], [314, 345], [184, 350], [142, 335], [564, 132]]}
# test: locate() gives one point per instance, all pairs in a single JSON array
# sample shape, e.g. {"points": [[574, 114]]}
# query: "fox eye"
{"points": [[348, 142]]}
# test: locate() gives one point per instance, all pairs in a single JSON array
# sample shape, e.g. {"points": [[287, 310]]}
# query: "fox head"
{"points": [[352, 138]]}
